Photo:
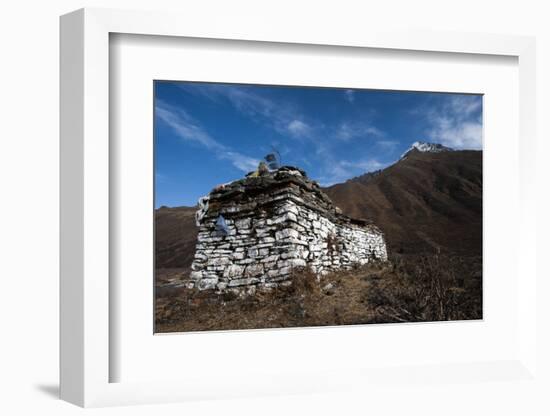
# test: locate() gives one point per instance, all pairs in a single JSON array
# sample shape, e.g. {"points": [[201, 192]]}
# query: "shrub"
{"points": [[424, 288]]}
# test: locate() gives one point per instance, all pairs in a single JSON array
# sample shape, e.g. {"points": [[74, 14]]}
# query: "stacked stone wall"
{"points": [[264, 243]]}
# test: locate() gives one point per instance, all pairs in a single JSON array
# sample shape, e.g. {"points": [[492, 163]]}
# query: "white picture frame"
{"points": [[85, 211]]}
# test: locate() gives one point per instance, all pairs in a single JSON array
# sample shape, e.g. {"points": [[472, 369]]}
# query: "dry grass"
{"points": [[407, 289], [434, 288]]}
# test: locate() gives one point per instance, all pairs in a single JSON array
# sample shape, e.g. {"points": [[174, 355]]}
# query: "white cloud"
{"points": [[465, 104], [351, 130], [455, 124], [462, 135], [189, 129], [298, 128]]}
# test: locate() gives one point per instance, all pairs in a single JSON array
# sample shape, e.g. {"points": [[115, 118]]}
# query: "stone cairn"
{"points": [[254, 231]]}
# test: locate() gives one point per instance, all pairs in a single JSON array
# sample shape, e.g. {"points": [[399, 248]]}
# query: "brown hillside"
{"points": [[423, 202], [175, 235]]}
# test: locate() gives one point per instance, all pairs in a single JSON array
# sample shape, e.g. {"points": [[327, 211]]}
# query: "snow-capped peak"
{"points": [[426, 147]]}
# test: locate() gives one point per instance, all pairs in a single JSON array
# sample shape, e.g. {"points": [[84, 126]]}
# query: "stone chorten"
{"points": [[254, 231]]}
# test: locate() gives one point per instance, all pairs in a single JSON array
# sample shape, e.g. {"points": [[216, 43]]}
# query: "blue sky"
{"points": [[207, 134]]}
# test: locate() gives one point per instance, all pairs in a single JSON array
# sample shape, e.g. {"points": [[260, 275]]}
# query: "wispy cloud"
{"points": [[351, 130], [240, 161], [282, 116], [349, 95], [334, 170], [185, 126], [159, 177], [387, 145], [341, 170], [298, 128], [366, 165], [335, 174], [189, 129], [457, 123]]}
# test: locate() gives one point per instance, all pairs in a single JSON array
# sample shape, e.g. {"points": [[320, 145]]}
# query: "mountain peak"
{"points": [[426, 147]]}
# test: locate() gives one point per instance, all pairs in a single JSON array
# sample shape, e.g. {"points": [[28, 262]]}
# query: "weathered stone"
{"points": [[243, 282], [297, 263], [287, 232], [270, 265], [234, 270], [315, 247], [290, 254], [270, 259], [221, 253], [220, 261], [243, 223], [197, 265], [201, 256], [267, 286], [289, 208], [246, 261], [285, 270], [207, 284], [196, 275], [254, 270], [262, 232], [238, 255]]}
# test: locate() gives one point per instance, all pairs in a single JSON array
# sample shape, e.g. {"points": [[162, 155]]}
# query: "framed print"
{"points": [[271, 213]]}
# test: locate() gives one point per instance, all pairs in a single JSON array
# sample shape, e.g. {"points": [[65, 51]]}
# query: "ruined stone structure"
{"points": [[254, 231]]}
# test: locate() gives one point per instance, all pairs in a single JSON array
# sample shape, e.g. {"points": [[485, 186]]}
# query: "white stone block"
{"points": [[243, 282], [205, 284], [234, 270], [221, 261], [285, 233], [254, 270], [297, 263], [196, 275]]}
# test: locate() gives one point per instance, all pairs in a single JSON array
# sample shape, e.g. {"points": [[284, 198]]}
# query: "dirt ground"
{"points": [[405, 289]]}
